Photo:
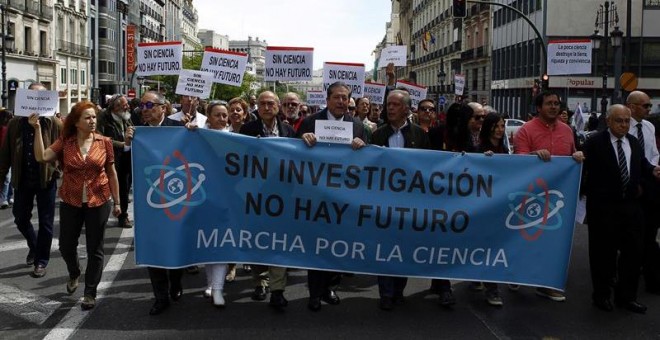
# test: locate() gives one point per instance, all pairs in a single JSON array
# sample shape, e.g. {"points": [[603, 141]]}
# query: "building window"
{"points": [[83, 77], [27, 46], [111, 67], [74, 78], [103, 66], [43, 43], [63, 75]]}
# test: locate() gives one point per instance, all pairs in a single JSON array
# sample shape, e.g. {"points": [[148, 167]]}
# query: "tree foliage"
{"points": [[193, 61]]}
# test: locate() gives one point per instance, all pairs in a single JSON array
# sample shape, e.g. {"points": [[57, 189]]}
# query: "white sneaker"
{"points": [[207, 292], [218, 299], [4, 205]]}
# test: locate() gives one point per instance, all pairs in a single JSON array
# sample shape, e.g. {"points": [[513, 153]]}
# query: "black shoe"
{"points": [[385, 303], [603, 304], [159, 307], [259, 293], [125, 223], [331, 298], [29, 260], [176, 291], [193, 270], [633, 306], [277, 299], [39, 271], [446, 299], [314, 304]]}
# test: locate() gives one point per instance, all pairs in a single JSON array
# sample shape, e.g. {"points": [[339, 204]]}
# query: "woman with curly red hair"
{"points": [[88, 181]]}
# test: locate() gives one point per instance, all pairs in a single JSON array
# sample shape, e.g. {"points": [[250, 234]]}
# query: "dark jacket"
{"points": [[169, 122], [109, 127], [308, 125], [413, 135], [255, 129], [11, 152], [602, 174]]}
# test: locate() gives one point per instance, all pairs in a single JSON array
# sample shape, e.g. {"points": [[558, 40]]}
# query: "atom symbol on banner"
{"points": [[175, 186], [539, 211]]}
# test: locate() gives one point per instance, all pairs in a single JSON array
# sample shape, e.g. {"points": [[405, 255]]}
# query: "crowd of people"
{"points": [[90, 150]]}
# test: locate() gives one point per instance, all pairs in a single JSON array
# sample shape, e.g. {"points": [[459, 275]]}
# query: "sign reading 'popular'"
{"points": [[159, 58]]}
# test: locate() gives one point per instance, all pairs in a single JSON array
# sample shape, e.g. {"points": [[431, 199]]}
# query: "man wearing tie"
{"points": [[639, 104], [614, 167], [320, 282]]}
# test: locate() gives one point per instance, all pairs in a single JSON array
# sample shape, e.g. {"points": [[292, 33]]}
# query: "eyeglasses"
{"points": [[351, 108], [646, 106], [479, 117], [148, 105], [427, 109], [290, 104]]}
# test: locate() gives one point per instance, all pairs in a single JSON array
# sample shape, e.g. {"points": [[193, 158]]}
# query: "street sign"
{"points": [[442, 100], [628, 81]]}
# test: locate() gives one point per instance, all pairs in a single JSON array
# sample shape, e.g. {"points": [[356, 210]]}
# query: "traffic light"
{"points": [[545, 82], [460, 8]]}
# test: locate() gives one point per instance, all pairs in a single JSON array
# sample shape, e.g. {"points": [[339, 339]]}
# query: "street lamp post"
{"points": [[6, 38], [441, 81], [606, 16]]}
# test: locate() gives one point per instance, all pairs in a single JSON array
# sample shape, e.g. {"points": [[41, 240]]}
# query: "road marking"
{"points": [[75, 317], [22, 245], [26, 305]]}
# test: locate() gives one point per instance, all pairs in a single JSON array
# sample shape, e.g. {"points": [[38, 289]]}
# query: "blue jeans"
{"points": [[7, 191], [39, 243]]}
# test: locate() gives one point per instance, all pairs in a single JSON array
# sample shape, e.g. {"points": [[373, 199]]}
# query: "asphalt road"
{"points": [[33, 308]]}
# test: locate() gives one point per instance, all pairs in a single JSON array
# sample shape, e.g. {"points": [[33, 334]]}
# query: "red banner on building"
{"points": [[130, 48]]}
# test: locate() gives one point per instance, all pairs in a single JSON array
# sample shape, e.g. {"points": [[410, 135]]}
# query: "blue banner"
{"points": [[208, 196]]}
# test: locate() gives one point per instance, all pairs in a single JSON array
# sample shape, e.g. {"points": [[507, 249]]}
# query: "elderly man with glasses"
{"points": [[166, 283], [640, 105], [291, 110]]}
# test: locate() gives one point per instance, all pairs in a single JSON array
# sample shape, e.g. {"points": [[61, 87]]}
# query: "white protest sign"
{"points": [[331, 131], [163, 58], [227, 67], [349, 73], [459, 84], [375, 92], [45, 103], [417, 92], [316, 98], [289, 63], [393, 54], [569, 57], [194, 83]]}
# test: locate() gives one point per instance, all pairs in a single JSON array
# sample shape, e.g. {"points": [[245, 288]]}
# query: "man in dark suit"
{"points": [[269, 125], [115, 122], [166, 283], [338, 95], [397, 133], [614, 167]]}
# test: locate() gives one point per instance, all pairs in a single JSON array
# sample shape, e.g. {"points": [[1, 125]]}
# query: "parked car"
{"points": [[511, 126]]}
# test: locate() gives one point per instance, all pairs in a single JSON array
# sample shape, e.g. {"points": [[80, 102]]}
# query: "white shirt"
{"points": [[396, 140], [625, 145], [332, 117], [650, 148]]}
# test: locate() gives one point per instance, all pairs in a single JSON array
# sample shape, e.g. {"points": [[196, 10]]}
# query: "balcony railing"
{"points": [[69, 47]]}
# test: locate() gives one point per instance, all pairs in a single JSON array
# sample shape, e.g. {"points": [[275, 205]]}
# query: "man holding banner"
{"points": [[269, 125], [546, 136], [398, 133], [338, 95], [166, 283]]}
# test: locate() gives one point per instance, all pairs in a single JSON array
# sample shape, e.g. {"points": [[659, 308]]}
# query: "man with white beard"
{"points": [[115, 122], [291, 110]]}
